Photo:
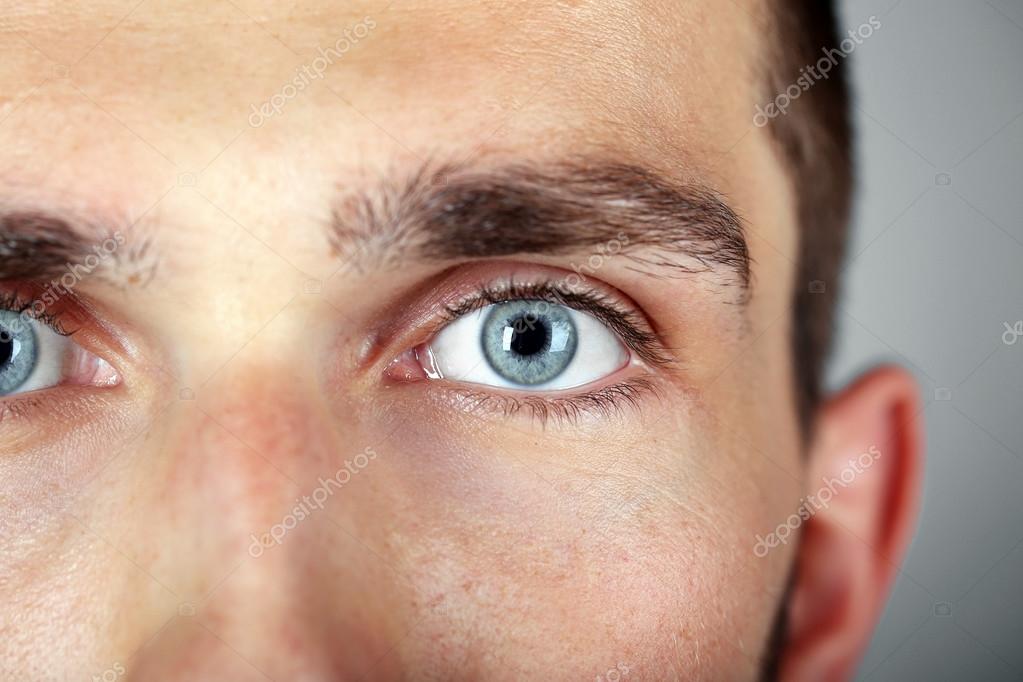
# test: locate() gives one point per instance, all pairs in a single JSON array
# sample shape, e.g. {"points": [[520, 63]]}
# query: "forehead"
{"points": [[179, 81]]}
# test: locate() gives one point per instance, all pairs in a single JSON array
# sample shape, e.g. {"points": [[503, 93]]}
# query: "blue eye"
{"points": [[527, 344], [33, 357], [18, 351]]}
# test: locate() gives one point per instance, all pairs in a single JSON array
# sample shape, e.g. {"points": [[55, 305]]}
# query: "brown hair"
{"points": [[814, 137]]}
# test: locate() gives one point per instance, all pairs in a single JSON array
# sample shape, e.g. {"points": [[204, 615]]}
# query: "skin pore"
{"points": [[264, 334]]}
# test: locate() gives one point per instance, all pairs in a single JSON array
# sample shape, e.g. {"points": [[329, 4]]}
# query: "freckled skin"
{"points": [[470, 546]]}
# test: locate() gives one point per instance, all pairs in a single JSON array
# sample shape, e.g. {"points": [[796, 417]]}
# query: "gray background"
{"points": [[935, 271]]}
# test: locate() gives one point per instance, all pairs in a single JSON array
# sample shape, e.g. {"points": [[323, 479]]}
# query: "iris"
{"points": [[18, 355], [528, 342]]}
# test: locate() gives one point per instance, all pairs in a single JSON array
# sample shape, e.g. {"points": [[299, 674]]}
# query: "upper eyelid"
{"points": [[92, 326], [55, 320]]}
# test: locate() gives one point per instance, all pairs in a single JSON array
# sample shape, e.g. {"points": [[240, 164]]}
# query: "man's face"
{"points": [[297, 458]]}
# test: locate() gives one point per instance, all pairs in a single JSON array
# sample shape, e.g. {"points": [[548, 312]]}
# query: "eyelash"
{"points": [[627, 324], [607, 401], [12, 301], [22, 406]]}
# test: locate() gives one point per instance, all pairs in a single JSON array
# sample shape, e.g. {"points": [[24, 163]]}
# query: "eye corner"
{"points": [[38, 354], [447, 352], [408, 367]]}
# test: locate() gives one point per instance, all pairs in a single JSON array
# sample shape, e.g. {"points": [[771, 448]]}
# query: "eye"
{"points": [[34, 357], [527, 344]]}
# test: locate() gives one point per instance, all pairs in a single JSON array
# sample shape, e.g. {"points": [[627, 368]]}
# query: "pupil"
{"points": [[530, 336], [6, 347]]}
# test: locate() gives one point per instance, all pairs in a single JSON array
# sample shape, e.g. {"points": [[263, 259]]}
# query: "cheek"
{"points": [[52, 456], [526, 564]]}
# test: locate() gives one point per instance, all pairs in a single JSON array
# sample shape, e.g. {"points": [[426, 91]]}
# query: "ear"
{"points": [[861, 498]]}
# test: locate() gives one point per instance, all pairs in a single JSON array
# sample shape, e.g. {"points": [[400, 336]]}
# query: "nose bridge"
{"points": [[265, 463], [269, 406], [261, 430]]}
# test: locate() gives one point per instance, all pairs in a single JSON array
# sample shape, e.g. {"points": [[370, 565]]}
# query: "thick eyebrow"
{"points": [[450, 212], [36, 245]]}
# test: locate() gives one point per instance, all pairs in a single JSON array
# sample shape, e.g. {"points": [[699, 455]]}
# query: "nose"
{"points": [[269, 535]]}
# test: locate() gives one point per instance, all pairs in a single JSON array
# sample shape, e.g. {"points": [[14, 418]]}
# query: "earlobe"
{"points": [[861, 497]]}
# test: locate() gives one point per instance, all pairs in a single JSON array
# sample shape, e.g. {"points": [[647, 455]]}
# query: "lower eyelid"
{"points": [[608, 401], [29, 411]]}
